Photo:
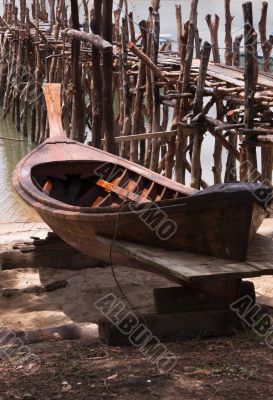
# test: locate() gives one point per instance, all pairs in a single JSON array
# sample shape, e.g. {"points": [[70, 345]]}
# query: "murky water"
{"points": [[11, 151], [12, 207]]}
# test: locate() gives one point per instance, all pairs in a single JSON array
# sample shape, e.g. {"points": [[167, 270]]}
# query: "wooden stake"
{"points": [[107, 74], [78, 105]]}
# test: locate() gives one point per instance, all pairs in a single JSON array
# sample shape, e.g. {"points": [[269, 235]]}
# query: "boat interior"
{"points": [[97, 184]]}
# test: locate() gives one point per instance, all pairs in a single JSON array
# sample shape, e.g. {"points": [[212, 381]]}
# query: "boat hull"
{"points": [[218, 228], [220, 223]]}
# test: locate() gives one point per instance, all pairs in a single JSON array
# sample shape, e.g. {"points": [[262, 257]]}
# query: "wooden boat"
{"points": [[85, 194]]}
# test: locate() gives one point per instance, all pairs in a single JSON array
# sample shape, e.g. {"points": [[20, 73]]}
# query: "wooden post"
{"points": [[127, 123], [228, 37], [179, 28], [197, 108], [213, 28], [156, 97], [78, 104], [236, 51], [136, 118], [184, 105], [97, 108], [149, 92], [38, 79], [132, 27], [107, 75], [181, 139], [265, 43], [250, 85], [217, 155]]}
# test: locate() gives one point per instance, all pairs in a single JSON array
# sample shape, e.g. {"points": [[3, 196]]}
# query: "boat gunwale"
{"points": [[76, 212], [25, 186]]}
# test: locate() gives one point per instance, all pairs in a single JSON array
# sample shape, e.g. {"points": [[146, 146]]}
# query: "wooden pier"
{"points": [[118, 84]]}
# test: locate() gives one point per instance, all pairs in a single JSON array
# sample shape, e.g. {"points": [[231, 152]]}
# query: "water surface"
{"points": [[13, 209]]}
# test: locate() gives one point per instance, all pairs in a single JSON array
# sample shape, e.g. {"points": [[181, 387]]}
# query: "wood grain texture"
{"points": [[52, 93]]}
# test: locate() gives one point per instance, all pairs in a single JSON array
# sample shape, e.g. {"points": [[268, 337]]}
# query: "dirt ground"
{"points": [[234, 367], [237, 367]]}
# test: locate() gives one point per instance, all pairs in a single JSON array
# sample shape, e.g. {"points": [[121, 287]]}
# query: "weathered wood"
{"points": [[127, 100], [90, 37], [155, 148], [143, 136], [169, 327], [214, 27], [107, 74], [132, 27], [136, 118], [179, 28], [38, 52], [97, 107], [49, 253], [197, 108], [197, 298], [228, 36], [187, 267], [183, 106], [266, 44], [157, 71], [250, 83], [78, 105], [236, 50], [52, 93], [172, 146]]}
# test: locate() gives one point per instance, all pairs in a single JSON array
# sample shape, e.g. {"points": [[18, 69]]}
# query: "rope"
{"points": [[133, 308]]}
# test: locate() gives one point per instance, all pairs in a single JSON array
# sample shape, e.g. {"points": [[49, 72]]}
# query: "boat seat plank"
{"points": [[121, 191], [189, 267]]}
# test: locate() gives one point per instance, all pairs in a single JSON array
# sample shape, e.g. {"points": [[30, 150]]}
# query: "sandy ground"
{"points": [[228, 368], [75, 303]]}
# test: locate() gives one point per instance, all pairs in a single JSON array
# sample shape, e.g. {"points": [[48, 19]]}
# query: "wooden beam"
{"points": [[187, 298], [157, 71], [95, 40], [170, 327], [144, 136]]}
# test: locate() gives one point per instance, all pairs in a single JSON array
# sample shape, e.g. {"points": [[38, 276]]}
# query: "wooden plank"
{"points": [[183, 266], [188, 267], [143, 136], [52, 93], [233, 75], [109, 187]]}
